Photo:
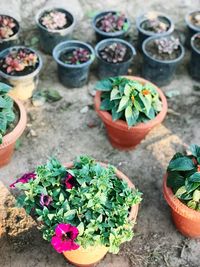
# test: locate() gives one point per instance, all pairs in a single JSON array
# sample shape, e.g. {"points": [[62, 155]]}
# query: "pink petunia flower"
{"points": [[24, 179], [69, 181], [45, 200], [64, 237]]}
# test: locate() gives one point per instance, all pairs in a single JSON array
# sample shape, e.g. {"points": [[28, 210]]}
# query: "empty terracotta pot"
{"points": [[92, 255], [186, 220], [9, 140], [122, 137]]}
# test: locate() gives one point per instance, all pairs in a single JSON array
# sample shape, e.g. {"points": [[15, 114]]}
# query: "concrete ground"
{"points": [[61, 129]]}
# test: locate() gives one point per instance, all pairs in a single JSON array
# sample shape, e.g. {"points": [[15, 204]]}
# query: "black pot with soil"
{"points": [[55, 25], [161, 56], [195, 57], [74, 59], [9, 31], [114, 57], [192, 20], [110, 24], [153, 24]]}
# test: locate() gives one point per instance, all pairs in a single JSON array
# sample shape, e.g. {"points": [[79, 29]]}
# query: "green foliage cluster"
{"points": [[184, 177], [7, 115], [129, 100], [98, 204]]}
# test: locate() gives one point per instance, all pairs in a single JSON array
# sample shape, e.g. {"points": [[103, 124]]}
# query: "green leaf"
{"points": [[128, 112], [104, 85], [127, 90], [3, 123], [115, 94], [146, 101], [195, 150], [175, 180], [70, 214], [180, 191], [195, 177], [132, 120], [80, 229], [9, 114], [4, 88], [52, 95], [51, 216], [181, 164], [116, 115], [106, 104], [61, 198], [123, 103]]}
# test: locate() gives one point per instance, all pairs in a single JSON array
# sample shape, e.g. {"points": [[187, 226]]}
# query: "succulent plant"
{"points": [[113, 53], [77, 56], [167, 45], [113, 22], [18, 59], [154, 24], [196, 19], [54, 20], [6, 27]]}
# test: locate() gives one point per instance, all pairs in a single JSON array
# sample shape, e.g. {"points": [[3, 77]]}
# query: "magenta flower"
{"points": [[64, 237], [69, 181], [24, 179], [45, 200]]}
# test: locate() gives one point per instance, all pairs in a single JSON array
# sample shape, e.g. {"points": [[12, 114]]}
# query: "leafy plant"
{"points": [[129, 100], [154, 24], [7, 26], [167, 45], [184, 177], [7, 115], [18, 60], [54, 20], [113, 22], [77, 56], [113, 53], [86, 205]]}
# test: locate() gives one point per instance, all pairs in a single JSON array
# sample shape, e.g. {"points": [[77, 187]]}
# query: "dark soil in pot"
{"points": [[194, 66], [192, 20]]}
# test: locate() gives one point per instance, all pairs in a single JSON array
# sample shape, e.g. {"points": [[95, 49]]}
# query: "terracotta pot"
{"points": [[186, 220], [92, 255], [9, 140], [119, 134]]}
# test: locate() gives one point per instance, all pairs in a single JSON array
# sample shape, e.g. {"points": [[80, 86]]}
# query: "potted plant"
{"points": [[9, 31], [129, 107], [55, 25], [85, 208], [195, 57], [161, 57], [114, 57], [192, 20], [12, 123], [153, 24], [181, 189], [110, 24], [73, 59], [20, 66]]}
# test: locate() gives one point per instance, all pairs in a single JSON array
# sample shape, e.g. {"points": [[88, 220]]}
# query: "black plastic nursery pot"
{"points": [[8, 42], [191, 28], [195, 59], [143, 34], [23, 85], [50, 38], [70, 75], [160, 72], [106, 69], [100, 35]]}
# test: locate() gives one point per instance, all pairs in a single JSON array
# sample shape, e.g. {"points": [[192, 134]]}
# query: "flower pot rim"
{"points": [[46, 9], [111, 34], [176, 205], [141, 18], [115, 40], [121, 124], [179, 58], [188, 22], [192, 42], [61, 46], [13, 37], [120, 175], [12, 136], [23, 77]]}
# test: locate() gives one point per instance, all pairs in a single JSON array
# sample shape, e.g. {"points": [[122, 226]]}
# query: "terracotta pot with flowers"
{"points": [[129, 107], [12, 123], [9, 31], [20, 67], [55, 25], [84, 209], [181, 189]]}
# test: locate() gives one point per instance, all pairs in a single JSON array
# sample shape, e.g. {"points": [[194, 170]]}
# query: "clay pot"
{"points": [[92, 255], [9, 140], [186, 220], [122, 137]]}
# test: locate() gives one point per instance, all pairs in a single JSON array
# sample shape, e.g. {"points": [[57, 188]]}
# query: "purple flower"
{"points": [[64, 237], [24, 179], [69, 181], [45, 200]]}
